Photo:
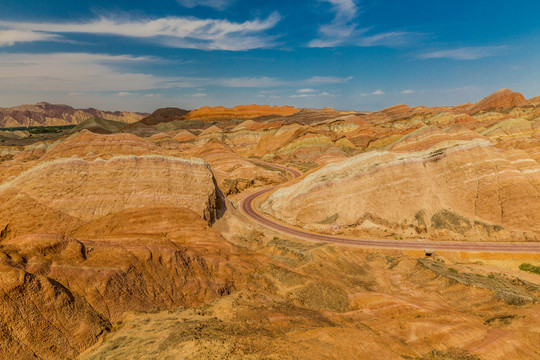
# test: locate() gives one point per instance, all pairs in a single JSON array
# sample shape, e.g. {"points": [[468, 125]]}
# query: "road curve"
{"points": [[247, 207]]}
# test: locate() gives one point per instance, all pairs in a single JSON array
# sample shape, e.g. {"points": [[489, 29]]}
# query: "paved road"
{"points": [[247, 207]]}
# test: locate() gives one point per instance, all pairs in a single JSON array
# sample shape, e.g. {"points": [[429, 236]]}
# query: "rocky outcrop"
{"points": [[40, 317], [45, 114], [60, 294]]}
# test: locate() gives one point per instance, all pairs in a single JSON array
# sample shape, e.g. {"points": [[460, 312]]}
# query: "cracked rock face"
{"points": [[58, 294]]}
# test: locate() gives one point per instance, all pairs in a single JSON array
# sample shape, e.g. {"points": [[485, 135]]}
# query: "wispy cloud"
{"points": [[85, 72], [464, 53], [463, 88], [301, 95], [408, 92], [180, 32], [306, 94], [376, 93], [248, 82], [74, 73], [392, 39], [269, 82], [216, 4], [303, 91], [343, 30], [342, 27], [11, 37], [199, 95], [328, 80]]}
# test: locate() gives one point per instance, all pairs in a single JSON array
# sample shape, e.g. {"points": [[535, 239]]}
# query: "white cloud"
{"points": [[11, 37], [199, 95], [376, 93], [302, 91], [216, 4], [309, 94], [124, 93], [408, 92], [180, 32], [464, 53]]}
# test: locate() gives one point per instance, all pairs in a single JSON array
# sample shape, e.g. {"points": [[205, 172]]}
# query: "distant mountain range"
{"points": [[45, 114]]}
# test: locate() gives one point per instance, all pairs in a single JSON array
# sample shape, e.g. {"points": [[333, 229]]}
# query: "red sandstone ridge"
{"points": [[241, 112], [503, 98]]}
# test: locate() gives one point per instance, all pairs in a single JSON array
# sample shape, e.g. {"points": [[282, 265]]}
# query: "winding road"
{"points": [[248, 208]]}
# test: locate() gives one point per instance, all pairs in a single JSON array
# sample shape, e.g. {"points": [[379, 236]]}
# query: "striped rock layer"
{"points": [[453, 188]]}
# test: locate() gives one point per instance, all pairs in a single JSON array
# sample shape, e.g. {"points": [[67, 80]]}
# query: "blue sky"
{"points": [[347, 54]]}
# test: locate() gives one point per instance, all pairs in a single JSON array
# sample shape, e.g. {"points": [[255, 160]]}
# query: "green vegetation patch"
{"points": [[513, 293], [445, 219], [329, 220], [420, 218], [40, 129], [270, 167], [500, 319], [488, 228], [321, 295], [530, 268]]}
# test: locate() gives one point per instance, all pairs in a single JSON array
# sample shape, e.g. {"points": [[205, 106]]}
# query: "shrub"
{"points": [[530, 268]]}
